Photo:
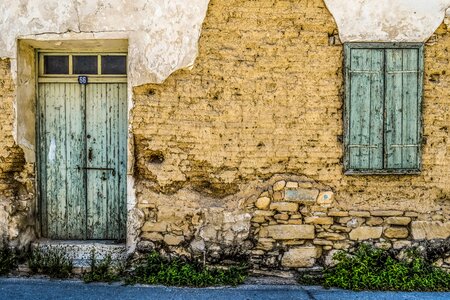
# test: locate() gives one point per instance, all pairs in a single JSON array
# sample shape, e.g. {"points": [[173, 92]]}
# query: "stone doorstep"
{"points": [[80, 251]]}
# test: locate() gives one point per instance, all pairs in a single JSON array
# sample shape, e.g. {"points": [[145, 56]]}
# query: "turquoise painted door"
{"points": [[82, 160]]}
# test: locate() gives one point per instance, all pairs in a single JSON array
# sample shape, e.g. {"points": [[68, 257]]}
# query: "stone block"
{"points": [[155, 227], [430, 230], [152, 236], [396, 232], [301, 257], [173, 240], [263, 213], [325, 198], [279, 185], [337, 213], [301, 195], [331, 236], [401, 244], [290, 232], [386, 213], [319, 220], [258, 219], [398, 221], [283, 217], [284, 206], [366, 233], [278, 196], [291, 184], [359, 213], [374, 221], [262, 203], [295, 221]]}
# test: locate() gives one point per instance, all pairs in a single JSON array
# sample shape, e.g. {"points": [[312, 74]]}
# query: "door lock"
{"points": [[90, 154]]}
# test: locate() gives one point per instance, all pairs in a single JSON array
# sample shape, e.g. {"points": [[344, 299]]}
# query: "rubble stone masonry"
{"points": [[241, 157]]}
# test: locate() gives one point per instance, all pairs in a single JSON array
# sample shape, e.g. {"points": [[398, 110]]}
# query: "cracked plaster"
{"points": [[162, 34], [387, 20]]}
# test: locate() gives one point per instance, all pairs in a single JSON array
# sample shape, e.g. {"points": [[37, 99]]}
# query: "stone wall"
{"points": [[295, 225]]}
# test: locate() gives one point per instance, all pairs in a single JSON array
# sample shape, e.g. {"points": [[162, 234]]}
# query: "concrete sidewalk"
{"points": [[22, 288]]}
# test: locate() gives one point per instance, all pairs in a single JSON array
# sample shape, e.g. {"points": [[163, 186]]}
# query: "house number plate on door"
{"points": [[82, 79]]}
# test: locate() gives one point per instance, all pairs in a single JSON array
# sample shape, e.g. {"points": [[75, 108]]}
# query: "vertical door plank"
{"points": [[112, 113], [75, 139], [122, 158], [411, 118], [365, 109], [43, 91], [55, 136], [96, 140]]}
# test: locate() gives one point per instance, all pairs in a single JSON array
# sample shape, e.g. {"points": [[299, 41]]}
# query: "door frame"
{"points": [[41, 78]]}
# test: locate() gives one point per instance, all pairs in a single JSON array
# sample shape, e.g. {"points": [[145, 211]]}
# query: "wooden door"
{"points": [[82, 160]]}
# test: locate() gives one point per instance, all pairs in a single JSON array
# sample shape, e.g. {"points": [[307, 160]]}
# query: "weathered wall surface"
{"points": [[17, 203], [249, 141], [264, 104], [387, 21], [163, 34]]}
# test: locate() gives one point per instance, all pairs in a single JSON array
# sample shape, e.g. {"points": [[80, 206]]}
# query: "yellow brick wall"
{"points": [[265, 96]]}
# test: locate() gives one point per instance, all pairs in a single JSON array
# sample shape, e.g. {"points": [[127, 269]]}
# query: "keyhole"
{"points": [[90, 154]]}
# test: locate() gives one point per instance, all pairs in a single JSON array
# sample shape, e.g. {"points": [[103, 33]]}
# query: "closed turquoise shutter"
{"points": [[364, 108], [403, 94]]}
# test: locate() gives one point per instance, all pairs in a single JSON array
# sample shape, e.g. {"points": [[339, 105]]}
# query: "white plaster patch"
{"points": [[387, 20], [163, 34]]}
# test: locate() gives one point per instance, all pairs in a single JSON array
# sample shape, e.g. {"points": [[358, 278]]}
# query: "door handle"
{"points": [[90, 154]]}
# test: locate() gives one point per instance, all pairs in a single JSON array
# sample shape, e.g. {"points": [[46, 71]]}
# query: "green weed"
{"points": [[102, 271], [53, 263], [8, 260], [156, 269], [375, 269]]}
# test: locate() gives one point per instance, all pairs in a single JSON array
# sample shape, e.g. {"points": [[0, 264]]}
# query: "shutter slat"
{"points": [[402, 108], [365, 103]]}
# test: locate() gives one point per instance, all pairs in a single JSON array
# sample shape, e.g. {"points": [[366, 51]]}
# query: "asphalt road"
{"points": [[19, 288]]}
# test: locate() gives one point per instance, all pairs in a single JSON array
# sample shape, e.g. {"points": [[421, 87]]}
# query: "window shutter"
{"points": [[403, 94], [364, 108]]}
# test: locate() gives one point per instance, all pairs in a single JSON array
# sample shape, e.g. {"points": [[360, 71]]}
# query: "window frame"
{"points": [[346, 117]]}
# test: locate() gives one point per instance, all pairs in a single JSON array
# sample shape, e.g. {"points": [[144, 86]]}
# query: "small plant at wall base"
{"points": [[102, 271], [8, 260], [53, 263], [156, 269], [375, 269]]}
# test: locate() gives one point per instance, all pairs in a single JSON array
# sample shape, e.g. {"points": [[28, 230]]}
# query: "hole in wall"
{"points": [[156, 158]]}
